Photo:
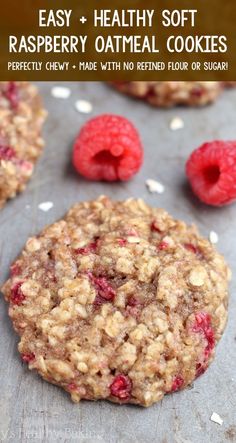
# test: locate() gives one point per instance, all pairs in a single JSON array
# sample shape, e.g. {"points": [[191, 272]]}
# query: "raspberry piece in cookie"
{"points": [[121, 387], [17, 296], [108, 148], [177, 383], [11, 93], [211, 170], [126, 321], [21, 120]]}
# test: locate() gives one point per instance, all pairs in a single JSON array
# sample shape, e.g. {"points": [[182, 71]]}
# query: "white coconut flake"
{"points": [[216, 418], [213, 237], [155, 186], [176, 123], [45, 206], [83, 106], [60, 92]]}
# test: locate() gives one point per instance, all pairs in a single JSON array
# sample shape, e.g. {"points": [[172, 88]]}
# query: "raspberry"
{"points": [[105, 292], [27, 358], [177, 383], [90, 248], [154, 227], [108, 148], [211, 170], [121, 387], [194, 249], [7, 153], [203, 325], [163, 245], [15, 269], [11, 94], [17, 296], [122, 241]]}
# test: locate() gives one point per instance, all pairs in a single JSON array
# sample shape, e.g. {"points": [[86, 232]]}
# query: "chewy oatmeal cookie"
{"points": [[21, 120], [118, 301], [166, 94]]}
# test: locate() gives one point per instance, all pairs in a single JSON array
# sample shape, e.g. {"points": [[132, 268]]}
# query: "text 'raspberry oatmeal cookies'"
{"points": [[172, 93], [21, 120], [118, 301]]}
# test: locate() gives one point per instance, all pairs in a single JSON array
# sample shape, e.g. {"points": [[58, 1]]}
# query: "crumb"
{"points": [[230, 433], [83, 106], [155, 186], [176, 123], [60, 92], [45, 206], [216, 418]]}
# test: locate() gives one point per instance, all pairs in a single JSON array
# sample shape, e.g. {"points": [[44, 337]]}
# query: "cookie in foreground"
{"points": [[118, 301], [172, 93], [21, 119]]}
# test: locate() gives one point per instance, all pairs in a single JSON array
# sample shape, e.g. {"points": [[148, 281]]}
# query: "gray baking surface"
{"points": [[33, 410]]}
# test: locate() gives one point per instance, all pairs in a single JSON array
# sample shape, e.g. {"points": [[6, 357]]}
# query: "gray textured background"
{"points": [[31, 409]]}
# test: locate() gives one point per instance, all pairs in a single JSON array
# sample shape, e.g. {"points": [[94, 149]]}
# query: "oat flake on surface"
{"points": [[176, 123], [60, 92], [213, 237], [83, 106], [216, 418], [155, 186], [45, 206]]}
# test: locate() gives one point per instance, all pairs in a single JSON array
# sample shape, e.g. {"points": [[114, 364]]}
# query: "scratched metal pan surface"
{"points": [[33, 410]]}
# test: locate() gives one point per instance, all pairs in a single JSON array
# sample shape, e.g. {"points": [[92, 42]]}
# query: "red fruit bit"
{"points": [[154, 227], [122, 241], [7, 153], [211, 170], [90, 248], [202, 325], [197, 92], [15, 269], [133, 301], [27, 358], [11, 94], [72, 387], [200, 369], [108, 148], [177, 383], [121, 387], [105, 292], [17, 296], [25, 165], [163, 245]]}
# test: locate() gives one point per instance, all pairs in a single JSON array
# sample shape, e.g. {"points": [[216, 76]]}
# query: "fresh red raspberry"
{"points": [[108, 148], [211, 170], [121, 387], [177, 383], [17, 296], [27, 358]]}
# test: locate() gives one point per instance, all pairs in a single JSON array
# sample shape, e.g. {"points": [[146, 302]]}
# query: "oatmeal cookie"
{"points": [[21, 119], [166, 94], [118, 301]]}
